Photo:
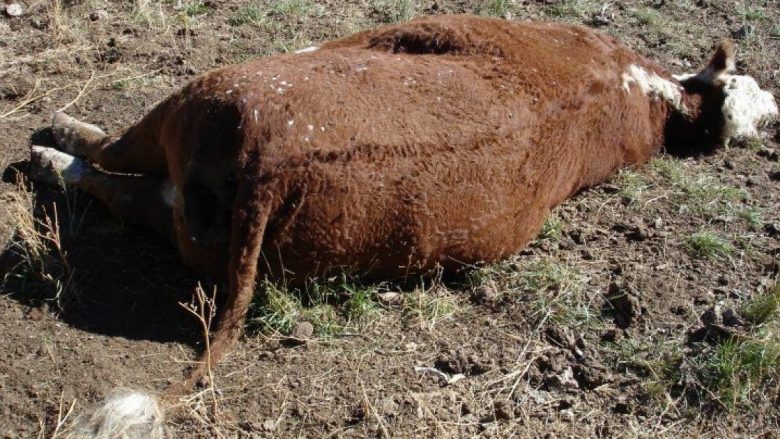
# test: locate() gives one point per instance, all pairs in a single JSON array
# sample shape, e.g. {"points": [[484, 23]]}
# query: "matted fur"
{"points": [[123, 414]]}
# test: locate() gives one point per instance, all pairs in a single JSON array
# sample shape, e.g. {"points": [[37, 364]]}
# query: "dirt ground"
{"points": [[646, 308]]}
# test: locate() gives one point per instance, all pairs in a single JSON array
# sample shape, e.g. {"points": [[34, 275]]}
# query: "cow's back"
{"points": [[387, 156]]}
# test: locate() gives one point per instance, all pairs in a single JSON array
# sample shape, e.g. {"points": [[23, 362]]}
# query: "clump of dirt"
{"points": [[614, 322]]}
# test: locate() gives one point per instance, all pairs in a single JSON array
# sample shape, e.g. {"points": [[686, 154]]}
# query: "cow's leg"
{"points": [[132, 150], [251, 211], [137, 200]]}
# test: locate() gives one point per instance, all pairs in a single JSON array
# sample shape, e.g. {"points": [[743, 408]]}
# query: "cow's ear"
{"points": [[722, 62]]}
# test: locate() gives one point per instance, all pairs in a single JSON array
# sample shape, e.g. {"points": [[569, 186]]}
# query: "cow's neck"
{"points": [[694, 127]]}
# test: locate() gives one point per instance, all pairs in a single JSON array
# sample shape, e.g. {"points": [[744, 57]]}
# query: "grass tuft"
{"points": [[497, 8], [429, 307], [250, 14], [566, 9], [330, 305], [709, 245], [38, 244], [733, 370], [394, 11], [552, 227], [296, 8], [763, 307], [646, 16]]}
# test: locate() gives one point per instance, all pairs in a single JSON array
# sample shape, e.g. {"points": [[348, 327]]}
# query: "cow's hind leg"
{"points": [[135, 200], [251, 210], [132, 150]]}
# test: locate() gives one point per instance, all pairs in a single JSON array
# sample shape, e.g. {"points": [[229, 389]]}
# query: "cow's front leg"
{"points": [[131, 150], [139, 200]]}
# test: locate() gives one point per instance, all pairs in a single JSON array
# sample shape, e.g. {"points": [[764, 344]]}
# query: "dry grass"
{"points": [[37, 243]]}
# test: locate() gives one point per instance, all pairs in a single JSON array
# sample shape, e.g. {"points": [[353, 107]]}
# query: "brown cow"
{"points": [[442, 141]]}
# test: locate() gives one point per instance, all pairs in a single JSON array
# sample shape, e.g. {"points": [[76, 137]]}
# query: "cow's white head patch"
{"points": [[746, 108]]}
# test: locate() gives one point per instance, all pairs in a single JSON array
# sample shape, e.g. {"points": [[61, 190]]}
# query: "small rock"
{"points": [[713, 315], [637, 233], [772, 229], [560, 336], [203, 382], [744, 32], [728, 164], [731, 318], [621, 408], [502, 410], [269, 425], [578, 236], [35, 314], [389, 408], [565, 380], [38, 23], [611, 335], [485, 294], [14, 10], [567, 415], [302, 332], [590, 376], [769, 154], [389, 297]]}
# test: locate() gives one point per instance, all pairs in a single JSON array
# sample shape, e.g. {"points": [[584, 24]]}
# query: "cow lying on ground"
{"points": [[439, 142]]}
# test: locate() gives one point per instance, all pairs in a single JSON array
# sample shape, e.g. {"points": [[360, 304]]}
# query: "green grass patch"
{"points": [[763, 307], [699, 194], [709, 245], [296, 8], [631, 185], [497, 8], [194, 9], [249, 14], [748, 13], [774, 33], [646, 16], [734, 369], [429, 307], [331, 306], [566, 9], [556, 293], [552, 227], [394, 11]]}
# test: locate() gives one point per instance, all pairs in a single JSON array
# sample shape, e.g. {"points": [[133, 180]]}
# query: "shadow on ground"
{"points": [[117, 281]]}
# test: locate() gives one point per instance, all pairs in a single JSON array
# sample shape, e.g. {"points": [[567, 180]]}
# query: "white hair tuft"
{"points": [[123, 414]]}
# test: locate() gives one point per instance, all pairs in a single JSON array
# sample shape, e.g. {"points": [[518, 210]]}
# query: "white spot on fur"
{"points": [[254, 113], [290, 123], [308, 49], [653, 85], [123, 414], [746, 107]]}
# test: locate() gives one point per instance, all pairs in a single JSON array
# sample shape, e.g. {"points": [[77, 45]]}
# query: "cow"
{"points": [[439, 142]]}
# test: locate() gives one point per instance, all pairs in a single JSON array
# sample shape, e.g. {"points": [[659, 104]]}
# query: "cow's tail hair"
{"points": [[123, 414]]}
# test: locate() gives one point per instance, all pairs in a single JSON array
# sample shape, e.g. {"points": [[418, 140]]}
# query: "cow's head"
{"points": [[729, 106]]}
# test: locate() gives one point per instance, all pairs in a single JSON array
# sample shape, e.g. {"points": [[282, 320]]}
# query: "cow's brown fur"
{"points": [[443, 141]]}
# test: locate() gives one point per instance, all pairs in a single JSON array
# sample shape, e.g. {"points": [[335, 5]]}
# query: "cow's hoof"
{"points": [[47, 165], [70, 133]]}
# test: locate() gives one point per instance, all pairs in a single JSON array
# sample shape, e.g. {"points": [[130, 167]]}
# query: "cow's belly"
{"points": [[390, 220]]}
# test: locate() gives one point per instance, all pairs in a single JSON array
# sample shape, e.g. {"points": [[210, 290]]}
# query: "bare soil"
{"points": [[597, 329]]}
